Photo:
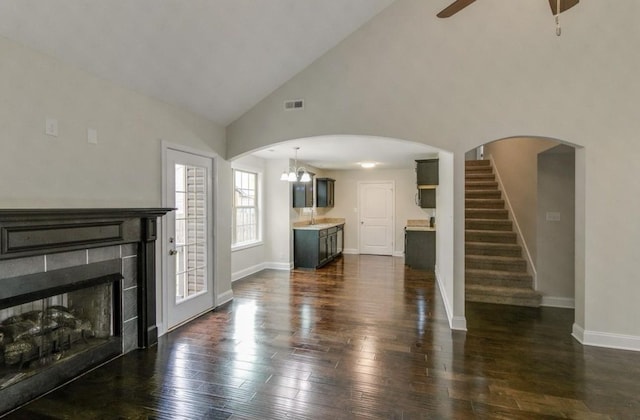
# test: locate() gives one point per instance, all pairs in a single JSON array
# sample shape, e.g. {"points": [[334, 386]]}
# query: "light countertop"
{"points": [[419, 225], [319, 225]]}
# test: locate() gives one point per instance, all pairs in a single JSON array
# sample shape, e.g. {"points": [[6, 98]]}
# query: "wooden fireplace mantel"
{"points": [[31, 232]]}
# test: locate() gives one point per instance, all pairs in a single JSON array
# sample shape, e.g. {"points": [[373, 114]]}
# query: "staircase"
{"points": [[495, 270]]}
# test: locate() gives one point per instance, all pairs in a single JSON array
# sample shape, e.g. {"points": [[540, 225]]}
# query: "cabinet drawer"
{"points": [[323, 232], [332, 230]]}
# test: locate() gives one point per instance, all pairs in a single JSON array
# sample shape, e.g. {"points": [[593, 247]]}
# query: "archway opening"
{"points": [[524, 207]]}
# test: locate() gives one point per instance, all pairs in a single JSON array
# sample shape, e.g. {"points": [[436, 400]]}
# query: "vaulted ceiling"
{"points": [[216, 58]]}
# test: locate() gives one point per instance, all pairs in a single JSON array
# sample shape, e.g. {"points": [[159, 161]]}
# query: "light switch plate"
{"points": [[92, 136], [553, 216], [51, 127]]}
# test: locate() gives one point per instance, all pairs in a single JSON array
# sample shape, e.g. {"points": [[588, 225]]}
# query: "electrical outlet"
{"points": [[51, 127]]}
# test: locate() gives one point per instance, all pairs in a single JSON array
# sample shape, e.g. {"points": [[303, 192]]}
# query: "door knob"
{"points": [[172, 252]]}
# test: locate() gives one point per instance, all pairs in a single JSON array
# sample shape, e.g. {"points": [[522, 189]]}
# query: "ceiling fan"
{"points": [[458, 5]]}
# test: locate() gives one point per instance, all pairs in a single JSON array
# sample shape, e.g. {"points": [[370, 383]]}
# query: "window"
{"points": [[245, 207]]}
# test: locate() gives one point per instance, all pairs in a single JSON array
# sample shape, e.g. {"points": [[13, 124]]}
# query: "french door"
{"points": [[189, 255]]}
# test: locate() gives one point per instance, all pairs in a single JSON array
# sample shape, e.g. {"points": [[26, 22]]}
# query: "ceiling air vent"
{"points": [[294, 104]]}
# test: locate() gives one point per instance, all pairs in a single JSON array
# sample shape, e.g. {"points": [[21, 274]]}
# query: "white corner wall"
{"points": [[556, 238]]}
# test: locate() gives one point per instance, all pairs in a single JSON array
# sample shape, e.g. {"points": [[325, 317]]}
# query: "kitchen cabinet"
{"points": [[325, 192], [427, 173], [314, 248], [302, 194], [420, 249], [427, 179]]}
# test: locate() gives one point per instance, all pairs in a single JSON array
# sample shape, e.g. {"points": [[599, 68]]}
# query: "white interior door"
{"points": [[189, 287], [376, 217]]}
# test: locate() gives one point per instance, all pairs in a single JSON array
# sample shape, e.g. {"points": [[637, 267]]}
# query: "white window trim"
{"points": [[259, 241]]}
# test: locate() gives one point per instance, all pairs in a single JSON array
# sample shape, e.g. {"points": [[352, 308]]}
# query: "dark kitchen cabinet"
{"points": [[325, 192], [427, 198], [314, 248], [302, 194], [427, 172], [427, 178], [420, 249]]}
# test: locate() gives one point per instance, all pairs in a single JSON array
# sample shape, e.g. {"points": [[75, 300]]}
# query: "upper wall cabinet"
{"points": [[427, 179], [325, 192], [427, 172], [302, 193]]}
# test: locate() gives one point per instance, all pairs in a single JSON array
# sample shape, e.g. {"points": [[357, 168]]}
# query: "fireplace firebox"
{"points": [[77, 288]]}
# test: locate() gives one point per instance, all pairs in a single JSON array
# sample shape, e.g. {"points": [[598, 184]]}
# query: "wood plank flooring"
{"points": [[361, 338]]}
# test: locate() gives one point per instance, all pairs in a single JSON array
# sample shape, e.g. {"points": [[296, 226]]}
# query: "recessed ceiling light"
{"points": [[368, 165]]}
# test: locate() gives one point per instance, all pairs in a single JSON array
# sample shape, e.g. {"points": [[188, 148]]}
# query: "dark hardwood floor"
{"points": [[361, 338]]}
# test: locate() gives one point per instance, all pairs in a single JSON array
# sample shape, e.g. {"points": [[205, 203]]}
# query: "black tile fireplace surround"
{"points": [[62, 255]]}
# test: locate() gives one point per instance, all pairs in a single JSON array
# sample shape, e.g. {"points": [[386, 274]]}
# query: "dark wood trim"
{"points": [[31, 232], [148, 335]]}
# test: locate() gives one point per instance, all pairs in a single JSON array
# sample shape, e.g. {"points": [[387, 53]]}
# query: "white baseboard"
{"points": [[247, 271], [558, 302], [455, 322], [259, 267], [224, 298], [285, 266], [608, 340], [350, 251], [458, 323], [398, 254]]}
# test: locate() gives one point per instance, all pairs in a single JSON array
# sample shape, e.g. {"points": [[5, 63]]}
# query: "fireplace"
{"points": [[77, 289]]}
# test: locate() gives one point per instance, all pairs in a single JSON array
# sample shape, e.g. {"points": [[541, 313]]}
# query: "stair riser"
{"points": [[498, 281], [483, 194], [480, 177], [480, 185], [493, 252], [503, 300], [496, 225], [477, 163], [483, 264], [492, 237], [484, 204], [497, 214]]}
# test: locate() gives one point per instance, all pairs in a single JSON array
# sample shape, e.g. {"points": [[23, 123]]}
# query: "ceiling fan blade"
{"points": [[454, 8], [564, 5]]}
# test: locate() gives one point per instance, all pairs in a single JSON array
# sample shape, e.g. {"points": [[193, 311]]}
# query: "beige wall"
{"points": [[122, 170], [408, 75], [556, 239], [516, 161], [346, 190]]}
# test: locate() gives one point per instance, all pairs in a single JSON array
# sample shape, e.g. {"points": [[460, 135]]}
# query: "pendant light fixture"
{"points": [[294, 172]]}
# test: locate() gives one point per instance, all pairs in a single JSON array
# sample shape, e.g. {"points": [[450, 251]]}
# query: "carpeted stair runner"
{"points": [[495, 271]]}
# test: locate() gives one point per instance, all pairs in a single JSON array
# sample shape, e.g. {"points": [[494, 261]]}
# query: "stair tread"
{"points": [[489, 232], [484, 220], [492, 245], [495, 258], [503, 290], [484, 272]]}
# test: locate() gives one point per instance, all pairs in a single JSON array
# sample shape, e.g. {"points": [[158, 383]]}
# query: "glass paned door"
{"points": [[189, 268], [191, 227]]}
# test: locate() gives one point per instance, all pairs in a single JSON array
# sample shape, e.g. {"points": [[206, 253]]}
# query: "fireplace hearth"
{"points": [[77, 288]]}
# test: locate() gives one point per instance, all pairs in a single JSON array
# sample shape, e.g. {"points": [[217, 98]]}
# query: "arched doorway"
{"points": [[532, 223]]}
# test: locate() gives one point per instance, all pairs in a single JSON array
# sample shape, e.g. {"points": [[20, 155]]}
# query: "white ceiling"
{"points": [[217, 58], [346, 152]]}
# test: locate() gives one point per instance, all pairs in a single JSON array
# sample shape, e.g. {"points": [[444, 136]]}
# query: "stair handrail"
{"points": [[513, 217]]}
